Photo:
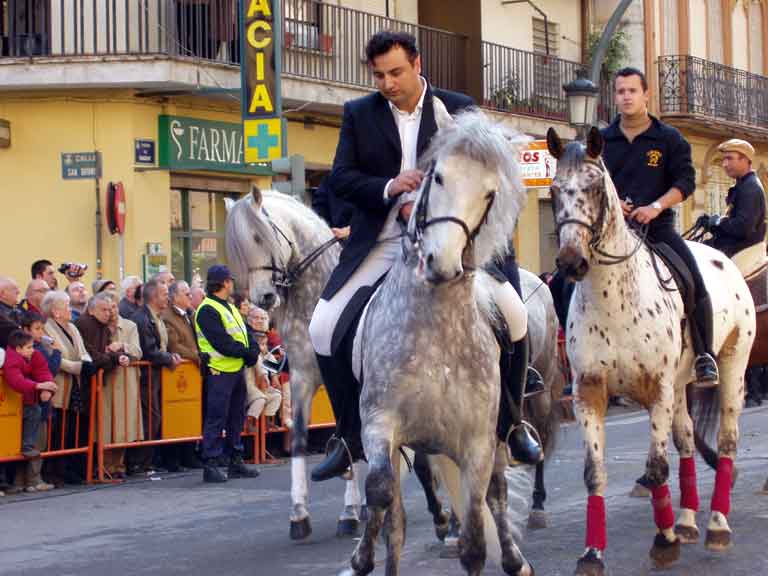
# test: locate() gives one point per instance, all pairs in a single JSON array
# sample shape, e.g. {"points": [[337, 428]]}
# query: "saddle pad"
{"points": [[758, 286], [680, 272], [750, 260]]}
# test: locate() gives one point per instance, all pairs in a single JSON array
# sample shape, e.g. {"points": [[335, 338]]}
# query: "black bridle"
{"points": [[421, 222], [596, 228], [285, 276]]}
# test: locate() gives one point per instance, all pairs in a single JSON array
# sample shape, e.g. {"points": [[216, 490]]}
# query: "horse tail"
{"points": [[704, 409]]}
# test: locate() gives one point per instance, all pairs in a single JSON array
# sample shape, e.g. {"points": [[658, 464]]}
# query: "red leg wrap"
{"points": [[721, 497], [662, 507], [596, 537], [689, 494]]}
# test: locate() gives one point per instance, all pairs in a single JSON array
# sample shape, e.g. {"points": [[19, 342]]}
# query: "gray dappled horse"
{"points": [[268, 235], [434, 386], [626, 335]]}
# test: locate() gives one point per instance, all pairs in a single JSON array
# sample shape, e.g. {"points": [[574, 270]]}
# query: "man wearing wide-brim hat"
{"points": [[226, 351], [744, 225]]}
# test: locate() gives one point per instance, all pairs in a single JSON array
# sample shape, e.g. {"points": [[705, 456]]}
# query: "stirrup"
{"points": [[350, 473], [541, 388], [512, 429], [702, 384]]}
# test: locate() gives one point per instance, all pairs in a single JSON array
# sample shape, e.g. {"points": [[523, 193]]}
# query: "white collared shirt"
{"points": [[408, 124]]}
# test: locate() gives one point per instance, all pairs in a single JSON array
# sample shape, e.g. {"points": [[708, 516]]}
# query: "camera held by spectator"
{"points": [[72, 270]]}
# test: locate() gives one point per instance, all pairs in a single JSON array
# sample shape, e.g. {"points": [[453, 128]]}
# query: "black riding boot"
{"points": [[345, 446], [701, 334], [514, 378]]}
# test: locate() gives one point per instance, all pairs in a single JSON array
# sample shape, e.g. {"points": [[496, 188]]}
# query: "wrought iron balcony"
{"points": [[690, 86]]}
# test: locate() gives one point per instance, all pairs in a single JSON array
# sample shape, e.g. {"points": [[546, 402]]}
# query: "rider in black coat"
{"points": [[744, 225]]}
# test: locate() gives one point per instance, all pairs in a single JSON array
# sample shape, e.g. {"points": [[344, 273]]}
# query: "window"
{"points": [[546, 31], [756, 64], [670, 46], [715, 31], [303, 21], [197, 232]]}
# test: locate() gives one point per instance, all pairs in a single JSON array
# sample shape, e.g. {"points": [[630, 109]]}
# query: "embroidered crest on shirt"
{"points": [[654, 156]]}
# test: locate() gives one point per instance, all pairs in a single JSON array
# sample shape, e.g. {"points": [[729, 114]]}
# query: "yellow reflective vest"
{"points": [[234, 325]]}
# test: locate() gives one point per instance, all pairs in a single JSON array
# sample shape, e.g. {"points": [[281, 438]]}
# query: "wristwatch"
{"points": [[657, 206]]}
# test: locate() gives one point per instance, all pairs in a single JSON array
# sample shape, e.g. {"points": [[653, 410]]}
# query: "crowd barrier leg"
{"points": [[95, 384]]}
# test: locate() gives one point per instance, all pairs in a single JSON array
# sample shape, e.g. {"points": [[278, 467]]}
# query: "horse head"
{"points": [[258, 250], [582, 202], [469, 199]]}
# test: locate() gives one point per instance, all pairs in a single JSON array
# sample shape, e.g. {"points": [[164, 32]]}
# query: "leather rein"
{"points": [[285, 276], [596, 229]]}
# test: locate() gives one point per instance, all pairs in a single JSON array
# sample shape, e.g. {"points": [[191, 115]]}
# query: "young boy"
{"points": [[26, 371], [34, 325]]}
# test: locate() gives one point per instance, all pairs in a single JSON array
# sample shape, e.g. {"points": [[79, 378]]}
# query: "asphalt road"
{"points": [[178, 525]]}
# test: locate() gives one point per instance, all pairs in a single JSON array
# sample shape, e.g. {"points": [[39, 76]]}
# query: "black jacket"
{"points": [[149, 338], [645, 170], [210, 324], [367, 157], [744, 225], [336, 212]]}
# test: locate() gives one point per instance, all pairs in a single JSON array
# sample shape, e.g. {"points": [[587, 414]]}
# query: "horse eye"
{"points": [[438, 179]]}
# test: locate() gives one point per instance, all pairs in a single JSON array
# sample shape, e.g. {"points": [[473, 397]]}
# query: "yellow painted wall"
{"points": [[317, 143], [527, 234], [44, 216]]}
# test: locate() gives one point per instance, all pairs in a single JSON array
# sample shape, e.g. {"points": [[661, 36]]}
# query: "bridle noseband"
{"points": [[421, 222], [286, 276], [596, 228]]}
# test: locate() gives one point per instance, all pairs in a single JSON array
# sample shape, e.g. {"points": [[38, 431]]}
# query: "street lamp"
{"points": [[582, 102]]}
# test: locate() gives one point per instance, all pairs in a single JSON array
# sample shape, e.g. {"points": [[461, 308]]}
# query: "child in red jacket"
{"points": [[26, 371]]}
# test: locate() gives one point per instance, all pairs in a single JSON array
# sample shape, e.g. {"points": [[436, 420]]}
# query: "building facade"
{"points": [[153, 87]]}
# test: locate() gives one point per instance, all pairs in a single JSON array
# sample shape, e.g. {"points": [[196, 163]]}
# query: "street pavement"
{"points": [[178, 525]]}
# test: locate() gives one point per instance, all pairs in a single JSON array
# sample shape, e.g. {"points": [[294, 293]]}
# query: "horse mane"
{"points": [[478, 137], [247, 224]]}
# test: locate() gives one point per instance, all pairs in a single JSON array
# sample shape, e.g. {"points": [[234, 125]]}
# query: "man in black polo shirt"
{"points": [[650, 163]]}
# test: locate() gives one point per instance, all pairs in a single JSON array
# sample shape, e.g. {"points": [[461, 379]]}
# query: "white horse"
{"points": [[276, 243], [627, 336], [435, 385]]}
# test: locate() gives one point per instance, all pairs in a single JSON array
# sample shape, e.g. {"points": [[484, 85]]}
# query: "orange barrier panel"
{"points": [[11, 413], [322, 412], [182, 402]]}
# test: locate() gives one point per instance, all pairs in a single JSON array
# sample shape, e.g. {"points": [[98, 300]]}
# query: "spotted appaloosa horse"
{"points": [[627, 336]]}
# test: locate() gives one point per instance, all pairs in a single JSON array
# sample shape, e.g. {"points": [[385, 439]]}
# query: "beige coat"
{"points": [[73, 354], [120, 399]]}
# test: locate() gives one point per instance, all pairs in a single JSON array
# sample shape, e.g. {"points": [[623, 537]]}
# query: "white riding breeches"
{"points": [[511, 308], [327, 312]]}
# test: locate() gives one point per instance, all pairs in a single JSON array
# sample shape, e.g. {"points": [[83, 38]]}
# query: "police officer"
{"points": [[650, 163], [224, 345], [744, 225]]}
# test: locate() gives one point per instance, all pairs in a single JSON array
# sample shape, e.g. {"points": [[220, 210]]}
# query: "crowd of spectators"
{"points": [[53, 341]]}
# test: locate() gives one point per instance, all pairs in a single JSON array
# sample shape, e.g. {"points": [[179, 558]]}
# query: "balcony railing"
{"points": [[201, 30], [696, 87], [531, 83], [327, 42]]}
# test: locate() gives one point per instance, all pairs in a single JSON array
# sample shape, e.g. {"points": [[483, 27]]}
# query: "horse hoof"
{"points": [[687, 534], [348, 527], [591, 564], [665, 553], [301, 529], [537, 520], [442, 530], [640, 491], [525, 570], [450, 548], [765, 487], [718, 540], [363, 513]]}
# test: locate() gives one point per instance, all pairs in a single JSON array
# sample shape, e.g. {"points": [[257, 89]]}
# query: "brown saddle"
{"points": [[758, 286]]}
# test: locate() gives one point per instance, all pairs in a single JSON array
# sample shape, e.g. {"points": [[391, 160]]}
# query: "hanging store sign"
{"points": [[260, 80], [537, 165], [195, 144]]}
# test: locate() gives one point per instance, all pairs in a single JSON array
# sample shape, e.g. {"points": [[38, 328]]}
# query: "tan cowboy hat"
{"points": [[738, 145]]}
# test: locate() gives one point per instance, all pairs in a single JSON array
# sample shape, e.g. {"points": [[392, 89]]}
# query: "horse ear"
{"points": [[594, 143], [554, 144], [256, 196], [228, 203], [442, 118]]}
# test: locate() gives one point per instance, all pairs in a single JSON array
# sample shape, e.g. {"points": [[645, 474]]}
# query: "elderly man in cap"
{"points": [[744, 225], [225, 349]]}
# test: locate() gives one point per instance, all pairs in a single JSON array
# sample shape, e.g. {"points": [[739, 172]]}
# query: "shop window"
{"points": [[197, 232]]}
